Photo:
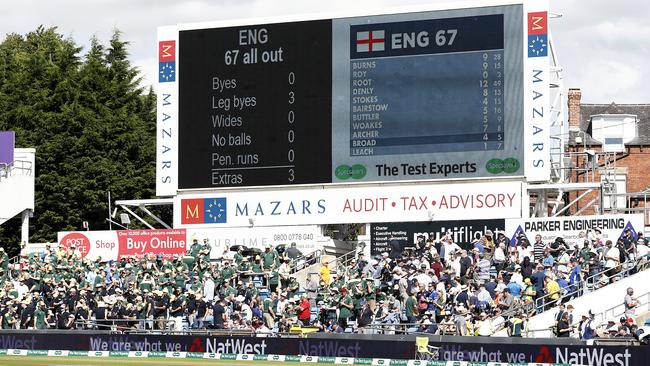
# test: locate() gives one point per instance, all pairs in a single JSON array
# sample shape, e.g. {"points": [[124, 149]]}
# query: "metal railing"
{"points": [[590, 283], [343, 261], [18, 167], [619, 310], [124, 325], [611, 313], [305, 261]]}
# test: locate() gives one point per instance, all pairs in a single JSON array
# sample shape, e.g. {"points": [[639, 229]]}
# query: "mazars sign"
{"points": [[382, 203]]}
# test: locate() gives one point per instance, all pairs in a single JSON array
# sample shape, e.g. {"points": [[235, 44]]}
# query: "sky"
{"points": [[603, 46]]}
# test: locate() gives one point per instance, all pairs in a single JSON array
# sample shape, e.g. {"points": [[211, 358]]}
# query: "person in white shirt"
{"points": [[563, 261], [282, 303], [498, 323], [517, 277], [642, 249], [450, 247], [483, 296], [245, 310], [21, 288], [483, 326], [454, 263], [422, 277], [284, 271], [432, 249], [208, 287], [525, 250]]}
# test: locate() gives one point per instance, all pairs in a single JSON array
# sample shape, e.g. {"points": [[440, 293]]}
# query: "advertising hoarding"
{"points": [[354, 204], [537, 111], [374, 350], [118, 244], [463, 232], [574, 229], [167, 113], [306, 237]]}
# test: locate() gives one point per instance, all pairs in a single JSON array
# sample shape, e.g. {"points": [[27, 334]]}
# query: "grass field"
{"points": [[90, 361]]}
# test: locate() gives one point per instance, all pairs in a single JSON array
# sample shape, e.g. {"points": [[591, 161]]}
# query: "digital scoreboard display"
{"points": [[427, 95], [255, 106], [444, 77]]}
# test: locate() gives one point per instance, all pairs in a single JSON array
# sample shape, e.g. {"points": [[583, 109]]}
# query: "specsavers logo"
{"points": [[508, 165], [356, 171]]}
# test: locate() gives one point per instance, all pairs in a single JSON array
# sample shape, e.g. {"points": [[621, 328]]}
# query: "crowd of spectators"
{"points": [[491, 289], [429, 286]]}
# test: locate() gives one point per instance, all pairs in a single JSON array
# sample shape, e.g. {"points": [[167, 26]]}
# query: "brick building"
{"points": [[610, 144]]}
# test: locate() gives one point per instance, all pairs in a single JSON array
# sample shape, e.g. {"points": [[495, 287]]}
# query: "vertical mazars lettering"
{"points": [[536, 91], [167, 113]]}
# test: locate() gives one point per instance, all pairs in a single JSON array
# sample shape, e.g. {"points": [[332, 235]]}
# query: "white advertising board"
{"points": [[537, 122], [167, 113], [355, 204], [574, 229], [306, 237]]}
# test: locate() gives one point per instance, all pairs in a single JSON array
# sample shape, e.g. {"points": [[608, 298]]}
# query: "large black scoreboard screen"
{"points": [[256, 105], [423, 95]]}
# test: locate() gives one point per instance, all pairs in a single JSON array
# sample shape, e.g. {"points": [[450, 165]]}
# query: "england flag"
{"points": [[370, 41]]}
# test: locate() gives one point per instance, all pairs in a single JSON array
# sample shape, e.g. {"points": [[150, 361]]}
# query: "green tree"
{"points": [[91, 122]]}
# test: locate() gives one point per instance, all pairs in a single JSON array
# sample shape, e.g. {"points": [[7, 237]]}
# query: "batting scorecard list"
{"points": [[301, 102], [442, 78]]}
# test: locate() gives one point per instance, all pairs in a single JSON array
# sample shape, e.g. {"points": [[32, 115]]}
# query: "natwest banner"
{"points": [[117, 244], [358, 204]]}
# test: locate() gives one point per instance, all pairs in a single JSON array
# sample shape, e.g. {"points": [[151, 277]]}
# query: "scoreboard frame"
{"points": [[534, 161]]}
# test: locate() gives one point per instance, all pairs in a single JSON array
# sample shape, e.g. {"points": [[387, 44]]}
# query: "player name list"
{"points": [[375, 112], [437, 89]]}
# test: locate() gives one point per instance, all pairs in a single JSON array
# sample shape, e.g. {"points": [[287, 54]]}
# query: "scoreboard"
{"points": [[422, 95], [255, 105]]}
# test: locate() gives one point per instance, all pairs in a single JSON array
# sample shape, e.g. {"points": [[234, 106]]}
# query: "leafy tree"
{"points": [[91, 122]]}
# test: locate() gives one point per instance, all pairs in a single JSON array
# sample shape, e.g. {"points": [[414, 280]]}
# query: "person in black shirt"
{"points": [[82, 314], [219, 313], [395, 248], [29, 282], [176, 311], [130, 314], [190, 308], [71, 298], [563, 326], [201, 310], [293, 252], [27, 315], [161, 304], [101, 314], [148, 310], [65, 319], [367, 315]]}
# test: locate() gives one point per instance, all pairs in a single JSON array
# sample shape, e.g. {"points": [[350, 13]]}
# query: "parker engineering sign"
{"points": [[575, 229]]}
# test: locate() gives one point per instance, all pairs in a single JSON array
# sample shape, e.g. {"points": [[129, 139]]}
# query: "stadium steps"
{"points": [[303, 275], [17, 185], [641, 318], [605, 302]]}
